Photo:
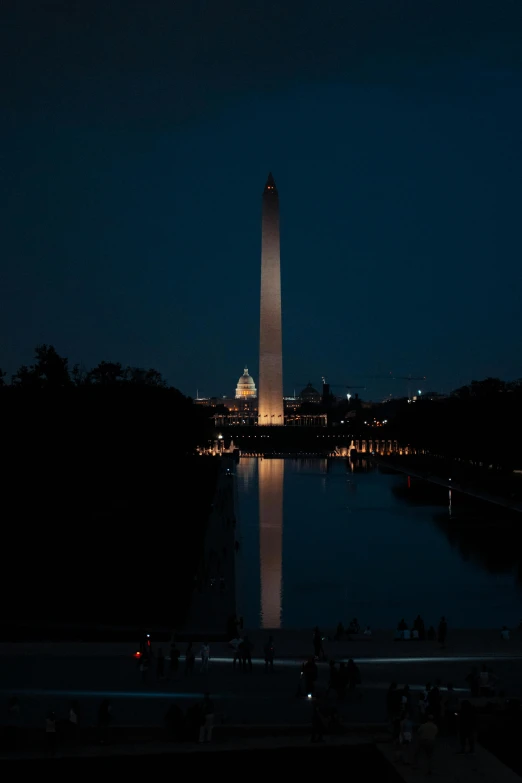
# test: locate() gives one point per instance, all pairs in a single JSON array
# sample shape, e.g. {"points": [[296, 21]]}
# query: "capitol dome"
{"points": [[246, 388]]}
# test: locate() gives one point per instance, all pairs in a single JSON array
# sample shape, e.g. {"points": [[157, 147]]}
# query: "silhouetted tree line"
{"points": [[105, 389], [51, 371], [479, 423], [104, 503]]}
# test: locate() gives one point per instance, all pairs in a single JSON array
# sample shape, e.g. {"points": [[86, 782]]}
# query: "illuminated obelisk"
{"points": [[270, 395]]}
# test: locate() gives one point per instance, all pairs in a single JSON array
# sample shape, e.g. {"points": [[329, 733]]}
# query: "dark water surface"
{"points": [[323, 541]]}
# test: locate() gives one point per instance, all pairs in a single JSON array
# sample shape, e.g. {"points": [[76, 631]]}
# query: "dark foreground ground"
{"points": [[101, 546], [360, 762], [248, 705]]}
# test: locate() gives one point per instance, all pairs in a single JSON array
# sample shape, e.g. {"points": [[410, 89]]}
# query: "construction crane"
{"points": [[335, 385], [340, 385], [327, 386], [390, 377], [408, 378]]}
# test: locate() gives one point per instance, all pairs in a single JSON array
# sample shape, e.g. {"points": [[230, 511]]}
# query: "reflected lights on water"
{"points": [[271, 477]]}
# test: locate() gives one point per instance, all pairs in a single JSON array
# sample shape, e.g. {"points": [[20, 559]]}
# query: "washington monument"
{"points": [[270, 400]]}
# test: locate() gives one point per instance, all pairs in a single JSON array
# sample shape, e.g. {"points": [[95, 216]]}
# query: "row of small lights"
{"points": [[284, 453], [317, 436], [269, 436]]}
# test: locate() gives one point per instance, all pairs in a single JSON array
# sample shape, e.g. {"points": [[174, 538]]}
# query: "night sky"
{"points": [[136, 138]]}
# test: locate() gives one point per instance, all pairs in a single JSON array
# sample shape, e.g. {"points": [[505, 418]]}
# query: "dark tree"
{"points": [[79, 375], [144, 377], [97, 461], [106, 373], [479, 424], [25, 378], [50, 371]]}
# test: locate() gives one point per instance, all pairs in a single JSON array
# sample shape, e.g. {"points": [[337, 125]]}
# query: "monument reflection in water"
{"points": [[271, 479], [359, 542], [259, 570]]}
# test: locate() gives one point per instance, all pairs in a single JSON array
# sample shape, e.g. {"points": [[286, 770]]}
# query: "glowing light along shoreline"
{"points": [[232, 695]]}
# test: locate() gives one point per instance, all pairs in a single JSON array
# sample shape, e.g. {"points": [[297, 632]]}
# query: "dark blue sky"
{"points": [[135, 142]]}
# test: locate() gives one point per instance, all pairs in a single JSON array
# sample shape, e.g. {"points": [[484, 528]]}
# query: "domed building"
{"points": [[246, 388], [309, 394]]}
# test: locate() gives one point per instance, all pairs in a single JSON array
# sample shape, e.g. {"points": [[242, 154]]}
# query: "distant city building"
{"points": [[246, 388], [291, 404], [309, 394], [240, 409], [306, 420]]}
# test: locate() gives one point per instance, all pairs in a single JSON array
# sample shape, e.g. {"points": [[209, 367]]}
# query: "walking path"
{"points": [[461, 644], [448, 764], [155, 748], [451, 767], [265, 756], [47, 677]]}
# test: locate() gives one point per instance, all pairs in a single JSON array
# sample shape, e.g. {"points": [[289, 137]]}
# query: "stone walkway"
{"points": [[154, 748], [256, 702], [451, 767], [465, 644], [462, 643], [448, 766]]}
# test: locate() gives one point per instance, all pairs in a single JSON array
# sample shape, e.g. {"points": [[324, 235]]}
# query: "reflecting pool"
{"points": [[327, 540]]}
